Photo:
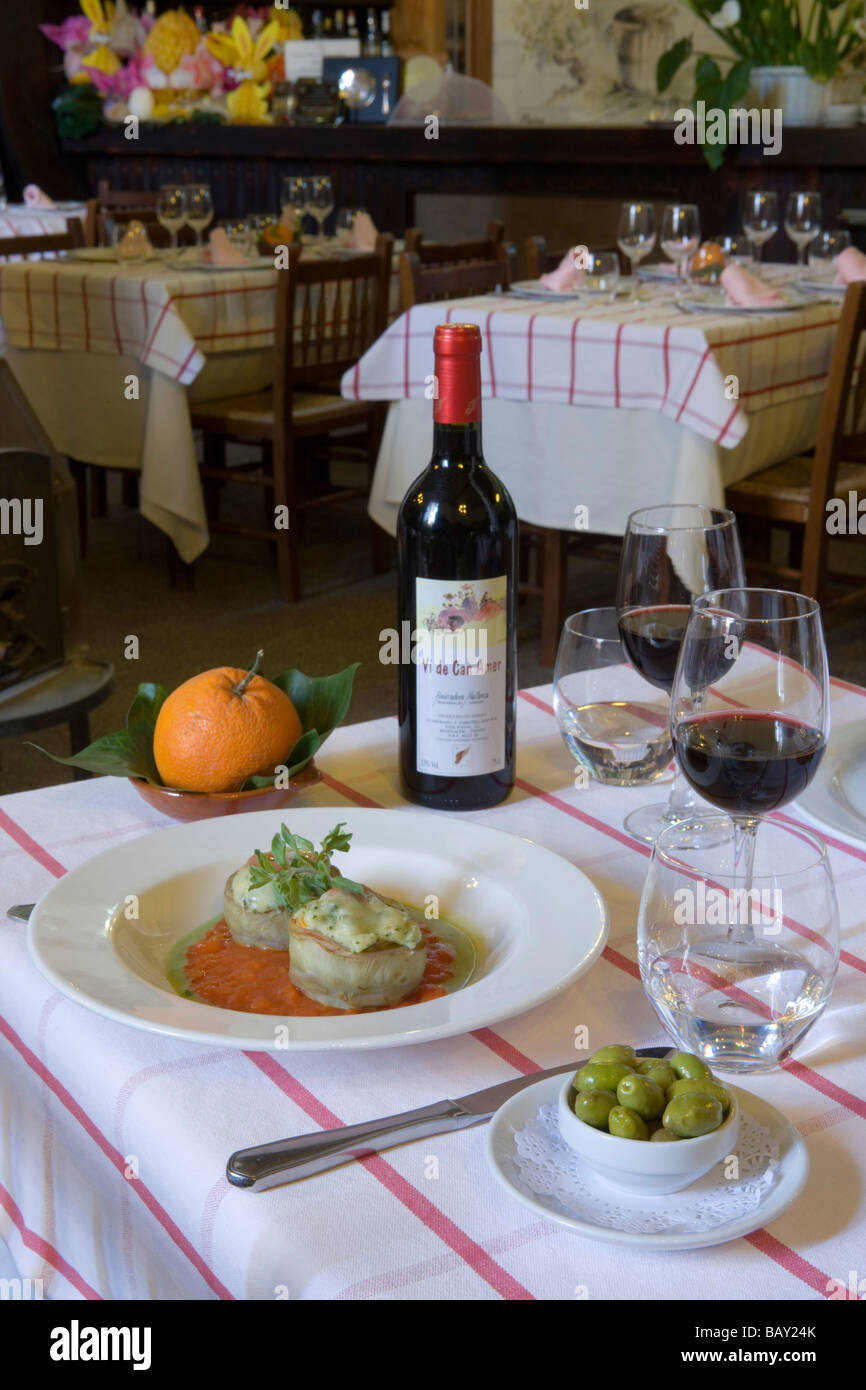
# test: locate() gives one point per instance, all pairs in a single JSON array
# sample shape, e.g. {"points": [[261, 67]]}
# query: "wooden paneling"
{"points": [[479, 39], [419, 27]]}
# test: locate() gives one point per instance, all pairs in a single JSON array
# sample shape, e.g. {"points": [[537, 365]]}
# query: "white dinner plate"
{"points": [[255, 263], [538, 921], [836, 797], [715, 301], [824, 286], [524, 1106], [533, 289]]}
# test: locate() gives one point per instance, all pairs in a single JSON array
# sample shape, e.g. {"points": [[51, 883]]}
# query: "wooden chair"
{"points": [[69, 240], [440, 252], [306, 353], [107, 220], [133, 202], [794, 494], [540, 261], [420, 284]]}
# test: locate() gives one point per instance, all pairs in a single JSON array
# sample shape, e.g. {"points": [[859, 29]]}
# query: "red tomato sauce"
{"points": [[256, 981]]}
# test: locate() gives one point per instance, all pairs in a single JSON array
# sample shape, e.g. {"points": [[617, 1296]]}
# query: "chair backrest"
{"points": [[328, 312], [421, 284], [107, 220], [839, 438], [454, 252], [540, 261], [108, 197], [53, 242], [31, 635]]}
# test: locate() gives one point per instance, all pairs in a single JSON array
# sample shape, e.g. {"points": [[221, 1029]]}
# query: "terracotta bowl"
{"points": [[190, 806]]}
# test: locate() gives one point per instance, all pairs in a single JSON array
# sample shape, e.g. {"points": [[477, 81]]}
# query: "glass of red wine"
{"points": [[750, 711], [670, 554]]}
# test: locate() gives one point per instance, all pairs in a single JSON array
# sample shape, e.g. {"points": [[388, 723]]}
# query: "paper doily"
{"points": [[545, 1166]]}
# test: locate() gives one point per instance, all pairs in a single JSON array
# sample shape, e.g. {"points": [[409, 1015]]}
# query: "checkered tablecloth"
{"points": [[16, 219], [621, 356], [113, 1141]]}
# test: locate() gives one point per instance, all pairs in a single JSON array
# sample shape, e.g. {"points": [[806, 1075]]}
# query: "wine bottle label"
{"points": [[460, 655]]}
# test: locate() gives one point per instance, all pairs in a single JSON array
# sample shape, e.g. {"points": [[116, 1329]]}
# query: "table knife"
{"points": [[288, 1160]]}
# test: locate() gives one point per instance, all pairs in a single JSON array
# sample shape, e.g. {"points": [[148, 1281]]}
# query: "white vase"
{"points": [[790, 89]]}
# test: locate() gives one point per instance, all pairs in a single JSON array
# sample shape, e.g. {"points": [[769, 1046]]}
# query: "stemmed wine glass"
{"points": [[321, 203], [681, 235], [171, 209], [750, 707], [760, 220], [199, 208], [669, 555], [636, 236], [803, 221], [295, 194]]}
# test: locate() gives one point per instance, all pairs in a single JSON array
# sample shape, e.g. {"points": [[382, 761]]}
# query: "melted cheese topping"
{"points": [[357, 921], [262, 899]]}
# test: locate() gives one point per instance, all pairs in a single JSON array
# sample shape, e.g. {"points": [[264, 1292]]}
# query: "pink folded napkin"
{"points": [[35, 198], [850, 266], [565, 277], [221, 251], [745, 288], [363, 235]]}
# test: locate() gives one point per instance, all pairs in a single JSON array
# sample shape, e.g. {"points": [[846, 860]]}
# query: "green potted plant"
{"points": [[783, 55]]}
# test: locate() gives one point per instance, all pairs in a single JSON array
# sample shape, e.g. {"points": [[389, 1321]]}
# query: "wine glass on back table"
{"points": [[321, 203], [760, 220], [803, 221], [171, 209], [681, 235], [636, 236], [669, 555], [199, 209]]}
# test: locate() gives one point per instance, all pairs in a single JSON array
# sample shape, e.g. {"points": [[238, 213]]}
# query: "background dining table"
{"points": [[112, 1182], [111, 357], [608, 405]]}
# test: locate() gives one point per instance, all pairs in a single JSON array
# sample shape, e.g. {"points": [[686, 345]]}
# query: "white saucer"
{"points": [[524, 1106], [836, 798]]}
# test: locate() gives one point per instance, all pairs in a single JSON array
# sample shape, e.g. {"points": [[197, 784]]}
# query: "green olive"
{"points": [[642, 1094], [593, 1107], [702, 1084], [601, 1076], [615, 1052], [663, 1136], [691, 1115], [686, 1064], [660, 1071], [626, 1124]]}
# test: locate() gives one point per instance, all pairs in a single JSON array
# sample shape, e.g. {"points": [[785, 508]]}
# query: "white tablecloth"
{"points": [[86, 1104], [608, 407]]}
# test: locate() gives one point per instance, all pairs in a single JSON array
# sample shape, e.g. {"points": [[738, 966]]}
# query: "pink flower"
{"points": [[73, 31]]}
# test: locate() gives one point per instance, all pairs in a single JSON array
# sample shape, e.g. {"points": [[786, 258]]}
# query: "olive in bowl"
{"points": [[651, 1168]]}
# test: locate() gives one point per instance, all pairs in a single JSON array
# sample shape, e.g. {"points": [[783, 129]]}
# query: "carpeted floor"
{"points": [[234, 609]]}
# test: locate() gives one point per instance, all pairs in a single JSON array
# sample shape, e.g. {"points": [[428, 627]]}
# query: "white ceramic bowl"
{"points": [[652, 1169]]}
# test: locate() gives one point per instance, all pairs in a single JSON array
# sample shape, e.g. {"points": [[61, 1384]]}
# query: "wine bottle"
{"points": [[457, 546]]}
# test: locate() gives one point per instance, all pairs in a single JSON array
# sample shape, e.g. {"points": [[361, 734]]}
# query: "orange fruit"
{"points": [[221, 727], [708, 261]]}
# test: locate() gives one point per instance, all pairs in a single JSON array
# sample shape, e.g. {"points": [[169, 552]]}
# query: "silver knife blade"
{"points": [[21, 910], [304, 1155]]}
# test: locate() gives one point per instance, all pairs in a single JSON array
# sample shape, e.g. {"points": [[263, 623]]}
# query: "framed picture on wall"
{"points": [[376, 84]]}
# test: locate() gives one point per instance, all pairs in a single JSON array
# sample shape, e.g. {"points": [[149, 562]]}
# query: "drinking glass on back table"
{"points": [[199, 209], [295, 194], [827, 246], [615, 729], [669, 555], [681, 235], [760, 220], [321, 203], [803, 221], [171, 209], [636, 236]]}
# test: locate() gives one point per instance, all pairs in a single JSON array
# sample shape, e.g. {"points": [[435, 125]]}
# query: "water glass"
{"points": [[598, 274], [739, 977], [827, 246], [760, 220], [171, 209], [344, 224], [242, 235], [613, 724], [735, 249], [803, 221], [681, 235]]}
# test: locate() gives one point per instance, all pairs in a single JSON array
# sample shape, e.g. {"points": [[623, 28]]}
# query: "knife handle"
{"points": [[287, 1160]]}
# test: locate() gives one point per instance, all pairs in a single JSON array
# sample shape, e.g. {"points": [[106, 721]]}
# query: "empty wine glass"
{"points": [[827, 246], [294, 199], [171, 209], [636, 236], [617, 731], [321, 203], [760, 220], [669, 555], [681, 235], [199, 209], [803, 221]]}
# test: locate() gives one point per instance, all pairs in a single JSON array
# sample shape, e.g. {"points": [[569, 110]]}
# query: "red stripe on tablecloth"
{"points": [[784, 385], [825, 1086], [530, 326], [156, 327], [727, 425], [43, 1249], [490, 354], [111, 286], [617, 342], [666, 358], [34, 849], [358, 797], [694, 383], [791, 1261], [847, 685], [505, 1052], [414, 1201], [114, 1157], [186, 361]]}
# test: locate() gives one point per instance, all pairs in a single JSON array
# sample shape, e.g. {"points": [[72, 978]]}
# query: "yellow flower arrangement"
{"points": [[289, 22], [173, 35], [248, 103], [100, 56]]}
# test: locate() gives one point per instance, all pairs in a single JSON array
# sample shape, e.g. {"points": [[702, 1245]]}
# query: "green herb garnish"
{"points": [[301, 873]]}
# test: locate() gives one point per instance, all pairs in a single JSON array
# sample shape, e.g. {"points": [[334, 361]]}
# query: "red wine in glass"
{"points": [[652, 637], [748, 763]]}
